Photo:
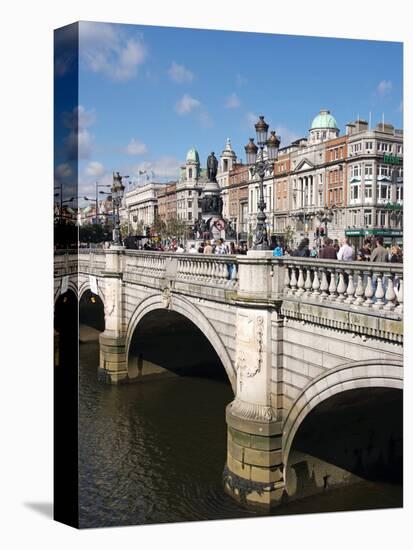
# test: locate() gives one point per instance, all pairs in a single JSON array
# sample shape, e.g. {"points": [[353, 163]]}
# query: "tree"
{"points": [[289, 234], [159, 227]]}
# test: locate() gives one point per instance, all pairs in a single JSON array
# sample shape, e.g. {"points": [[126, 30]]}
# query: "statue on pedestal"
{"points": [[212, 167]]}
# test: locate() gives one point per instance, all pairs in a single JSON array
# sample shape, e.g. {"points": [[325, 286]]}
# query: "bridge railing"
{"points": [[206, 269], [363, 284], [220, 270]]}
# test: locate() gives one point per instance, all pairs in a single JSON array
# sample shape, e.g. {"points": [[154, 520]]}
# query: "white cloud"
{"points": [[186, 104], [95, 169], [136, 147], [165, 167], [232, 101], [286, 135], [63, 170], [79, 142], [179, 73], [384, 87], [251, 119], [106, 49]]}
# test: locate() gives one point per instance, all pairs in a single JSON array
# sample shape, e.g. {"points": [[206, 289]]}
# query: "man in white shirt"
{"points": [[180, 249], [346, 252], [193, 250]]}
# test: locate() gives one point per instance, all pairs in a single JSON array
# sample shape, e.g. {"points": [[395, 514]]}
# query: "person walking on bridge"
{"points": [[346, 252], [328, 252]]}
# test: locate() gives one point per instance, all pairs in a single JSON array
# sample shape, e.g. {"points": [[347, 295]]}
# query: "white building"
{"points": [[140, 205]]}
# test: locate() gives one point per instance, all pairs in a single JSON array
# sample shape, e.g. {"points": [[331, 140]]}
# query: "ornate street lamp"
{"points": [[260, 167], [117, 190], [325, 215]]}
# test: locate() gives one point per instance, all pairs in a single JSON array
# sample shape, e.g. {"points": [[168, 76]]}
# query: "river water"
{"points": [[154, 452]]}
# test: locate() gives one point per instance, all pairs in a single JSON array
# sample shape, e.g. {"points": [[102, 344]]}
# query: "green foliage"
{"points": [[95, 233], [289, 234]]}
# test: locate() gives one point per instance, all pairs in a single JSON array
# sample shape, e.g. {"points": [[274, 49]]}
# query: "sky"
{"points": [[148, 94]]}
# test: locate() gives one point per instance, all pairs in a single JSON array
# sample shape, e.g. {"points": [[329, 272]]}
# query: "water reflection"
{"points": [[154, 452]]}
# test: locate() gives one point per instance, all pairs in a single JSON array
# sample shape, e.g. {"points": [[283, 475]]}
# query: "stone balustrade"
{"points": [[210, 269], [360, 285]]}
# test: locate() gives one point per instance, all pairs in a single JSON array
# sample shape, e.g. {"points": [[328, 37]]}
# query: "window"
{"points": [[355, 217], [368, 145], [189, 193], [355, 171], [384, 170], [384, 146], [225, 165], [189, 215], [383, 191], [355, 192], [399, 192], [368, 169], [367, 218], [356, 148], [190, 173], [400, 149], [368, 191], [189, 204], [382, 218]]}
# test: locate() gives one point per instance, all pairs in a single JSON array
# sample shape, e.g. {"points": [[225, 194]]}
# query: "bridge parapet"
{"points": [[359, 297]]}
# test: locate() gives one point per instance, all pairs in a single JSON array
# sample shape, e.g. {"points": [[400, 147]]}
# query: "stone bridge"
{"points": [[297, 337]]}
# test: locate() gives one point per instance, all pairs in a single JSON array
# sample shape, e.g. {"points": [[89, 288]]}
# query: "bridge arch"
{"points": [[85, 286], [182, 306], [386, 373], [72, 286]]}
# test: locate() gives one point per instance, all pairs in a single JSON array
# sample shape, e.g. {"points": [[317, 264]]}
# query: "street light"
{"points": [[118, 190], [260, 167], [101, 193], [325, 215]]}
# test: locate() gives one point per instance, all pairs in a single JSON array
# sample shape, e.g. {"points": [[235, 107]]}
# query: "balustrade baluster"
{"points": [[359, 289], [351, 289], [400, 298], [390, 295], [234, 274], [293, 281], [225, 273], [379, 294], [316, 283], [332, 289], [324, 284], [368, 292], [341, 288], [308, 283], [286, 280], [300, 282]]}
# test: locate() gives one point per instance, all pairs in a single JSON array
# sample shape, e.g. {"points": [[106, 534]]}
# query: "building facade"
{"points": [[140, 205], [167, 202]]}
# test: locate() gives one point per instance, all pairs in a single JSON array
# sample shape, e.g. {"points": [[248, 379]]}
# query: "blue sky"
{"points": [[148, 94]]}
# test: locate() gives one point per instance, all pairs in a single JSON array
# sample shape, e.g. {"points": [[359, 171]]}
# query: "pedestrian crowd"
{"points": [[372, 250], [214, 246]]}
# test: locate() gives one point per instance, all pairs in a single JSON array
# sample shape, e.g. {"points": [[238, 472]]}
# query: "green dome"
{"points": [[324, 120], [192, 156]]}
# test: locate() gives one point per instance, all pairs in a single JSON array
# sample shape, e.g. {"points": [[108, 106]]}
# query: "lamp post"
{"points": [[260, 167], [117, 194], [97, 193], [325, 215]]}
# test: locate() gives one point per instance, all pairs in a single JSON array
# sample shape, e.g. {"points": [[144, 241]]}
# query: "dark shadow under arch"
{"points": [[171, 341], [351, 436], [91, 311]]}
